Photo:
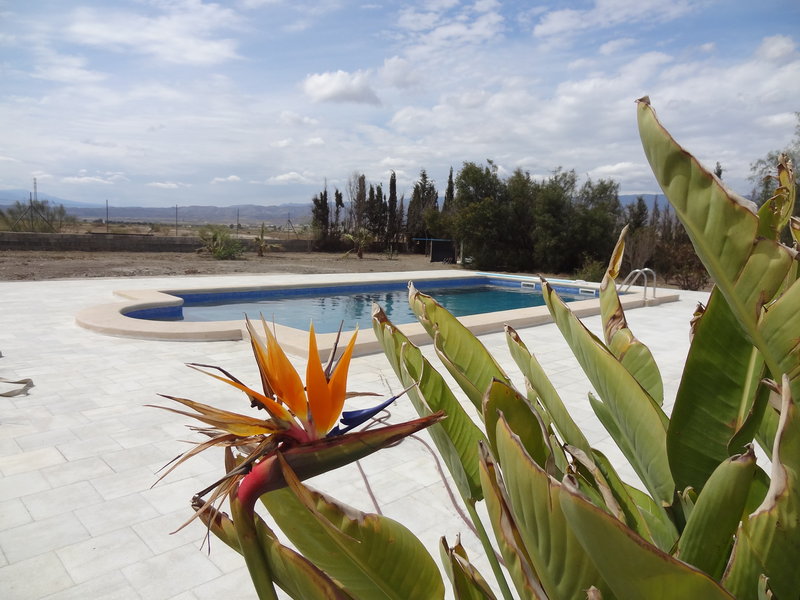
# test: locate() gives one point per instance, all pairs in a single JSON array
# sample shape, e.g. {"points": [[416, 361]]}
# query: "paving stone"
{"points": [[115, 514], [38, 537], [171, 573], [103, 554], [30, 461], [36, 577], [110, 586], [61, 499]]}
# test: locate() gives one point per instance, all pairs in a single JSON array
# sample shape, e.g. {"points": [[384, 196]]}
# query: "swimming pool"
{"points": [[115, 318], [329, 307]]}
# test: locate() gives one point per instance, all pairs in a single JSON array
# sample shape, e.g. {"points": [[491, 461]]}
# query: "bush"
{"points": [[218, 242]]}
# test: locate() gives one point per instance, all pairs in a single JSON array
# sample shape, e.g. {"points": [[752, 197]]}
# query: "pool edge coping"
{"points": [[108, 319]]}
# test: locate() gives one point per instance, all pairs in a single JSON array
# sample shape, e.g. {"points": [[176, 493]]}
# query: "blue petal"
{"points": [[354, 418]]}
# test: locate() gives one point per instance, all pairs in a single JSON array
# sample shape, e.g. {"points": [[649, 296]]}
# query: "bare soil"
{"points": [[38, 265]]}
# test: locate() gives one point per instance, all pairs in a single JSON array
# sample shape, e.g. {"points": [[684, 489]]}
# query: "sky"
{"points": [[165, 102]]}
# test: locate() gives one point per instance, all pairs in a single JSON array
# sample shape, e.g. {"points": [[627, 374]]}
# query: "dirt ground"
{"points": [[36, 265]]}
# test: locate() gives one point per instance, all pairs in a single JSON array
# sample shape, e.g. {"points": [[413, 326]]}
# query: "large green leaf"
{"points": [[707, 538], [558, 559], [502, 399], [457, 436], [640, 422], [642, 514], [292, 572], [634, 569], [779, 328], [372, 556], [518, 563], [768, 541], [714, 397], [633, 354], [462, 354], [545, 392], [723, 228]]}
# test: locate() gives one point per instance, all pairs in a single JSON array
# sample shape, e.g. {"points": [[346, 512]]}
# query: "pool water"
{"points": [[297, 308]]}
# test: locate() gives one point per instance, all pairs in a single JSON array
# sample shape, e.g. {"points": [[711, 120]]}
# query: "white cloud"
{"points": [[85, 179], [168, 185], [228, 179], [284, 143], [776, 48], [314, 141], [185, 33], [614, 46], [106, 178], [292, 118], [291, 177], [66, 69], [340, 86], [485, 5], [610, 13], [251, 4], [400, 73]]}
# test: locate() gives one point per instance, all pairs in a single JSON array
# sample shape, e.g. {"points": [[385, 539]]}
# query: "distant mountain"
{"points": [[9, 197], [247, 213]]}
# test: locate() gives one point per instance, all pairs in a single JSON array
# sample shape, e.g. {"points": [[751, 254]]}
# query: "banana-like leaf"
{"points": [[663, 530], [467, 582], [715, 395], [776, 212], [779, 328], [633, 354], [502, 399], [370, 555], [640, 422], [320, 456], [768, 541], [634, 568], [518, 563], [292, 572], [707, 538], [558, 559], [642, 514], [462, 354], [545, 391], [723, 228], [457, 436]]}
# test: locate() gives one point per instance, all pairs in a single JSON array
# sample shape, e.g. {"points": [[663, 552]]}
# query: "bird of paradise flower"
{"points": [[301, 425]]}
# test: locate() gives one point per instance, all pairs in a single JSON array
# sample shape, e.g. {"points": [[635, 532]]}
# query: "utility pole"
{"points": [[106, 215], [176, 220]]}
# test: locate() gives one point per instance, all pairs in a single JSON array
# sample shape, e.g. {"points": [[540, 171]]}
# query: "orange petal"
{"points": [[337, 385], [283, 378], [260, 353], [239, 425], [317, 389], [276, 410]]}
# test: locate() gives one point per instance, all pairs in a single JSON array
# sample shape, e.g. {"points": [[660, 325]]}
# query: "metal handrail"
{"points": [[634, 275]]}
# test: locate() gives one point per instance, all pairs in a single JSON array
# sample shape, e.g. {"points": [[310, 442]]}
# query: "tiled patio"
{"points": [[79, 453]]}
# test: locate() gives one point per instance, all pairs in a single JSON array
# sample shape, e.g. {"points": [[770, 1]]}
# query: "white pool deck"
{"points": [[79, 453]]}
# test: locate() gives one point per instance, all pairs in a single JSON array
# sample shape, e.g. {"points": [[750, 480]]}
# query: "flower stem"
{"points": [[252, 550], [490, 553]]}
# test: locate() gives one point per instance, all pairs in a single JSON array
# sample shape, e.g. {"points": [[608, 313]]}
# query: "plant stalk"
{"points": [[252, 551], [489, 550]]}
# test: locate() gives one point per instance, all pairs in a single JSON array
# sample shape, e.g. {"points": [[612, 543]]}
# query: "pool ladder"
{"points": [[634, 276]]}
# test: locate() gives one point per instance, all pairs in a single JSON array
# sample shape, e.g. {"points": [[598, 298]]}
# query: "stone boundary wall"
{"points": [[114, 242]]}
